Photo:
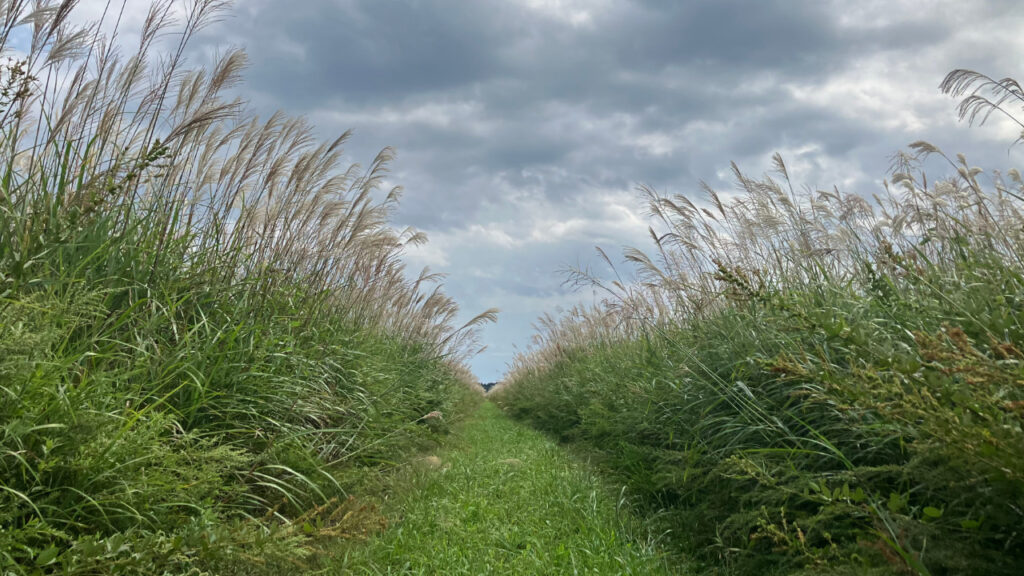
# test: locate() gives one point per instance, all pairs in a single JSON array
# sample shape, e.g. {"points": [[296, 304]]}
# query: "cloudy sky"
{"points": [[524, 126]]}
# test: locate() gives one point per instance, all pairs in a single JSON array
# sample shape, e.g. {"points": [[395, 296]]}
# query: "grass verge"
{"points": [[507, 500], [813, 381], [208, 339]]}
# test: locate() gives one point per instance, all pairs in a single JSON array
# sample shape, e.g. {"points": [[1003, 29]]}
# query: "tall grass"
{"points": [[813, 380], [207, 335]]}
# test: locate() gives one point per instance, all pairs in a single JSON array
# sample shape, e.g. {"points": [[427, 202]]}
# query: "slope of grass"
{"points": [[507, 501], [811, 381], [761, 458], [208, 340]]}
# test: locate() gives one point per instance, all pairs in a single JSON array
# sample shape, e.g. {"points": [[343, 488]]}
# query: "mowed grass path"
{"points": [[505, 500]]}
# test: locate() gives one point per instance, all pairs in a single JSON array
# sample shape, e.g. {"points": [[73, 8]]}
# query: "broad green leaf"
{"points": [[47, 556]]}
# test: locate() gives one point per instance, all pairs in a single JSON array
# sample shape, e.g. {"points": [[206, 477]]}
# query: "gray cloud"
{"points": [[523, 126]]}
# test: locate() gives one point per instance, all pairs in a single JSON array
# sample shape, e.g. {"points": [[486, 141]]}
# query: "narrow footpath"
{"points": [[504, 500]]}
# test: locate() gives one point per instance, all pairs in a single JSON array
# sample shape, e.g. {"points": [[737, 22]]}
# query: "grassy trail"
{"points": [[504, 500]]}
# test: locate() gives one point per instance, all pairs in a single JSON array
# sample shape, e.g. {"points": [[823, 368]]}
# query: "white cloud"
{"points": [[430, 255], [444, 114], [895, 89], [576, 13]]}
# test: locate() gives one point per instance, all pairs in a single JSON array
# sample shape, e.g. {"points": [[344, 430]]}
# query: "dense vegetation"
{"points": [[207, 340], [209, 347], [812, 380]]}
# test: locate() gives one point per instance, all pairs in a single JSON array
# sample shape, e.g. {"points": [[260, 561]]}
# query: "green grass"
{"points": [[210, 349], [208, 340], [504, 500], [873, 428], [812, 382]]}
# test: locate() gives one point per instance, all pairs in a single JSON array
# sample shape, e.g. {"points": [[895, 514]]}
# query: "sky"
{"points": [[523, 127]]}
